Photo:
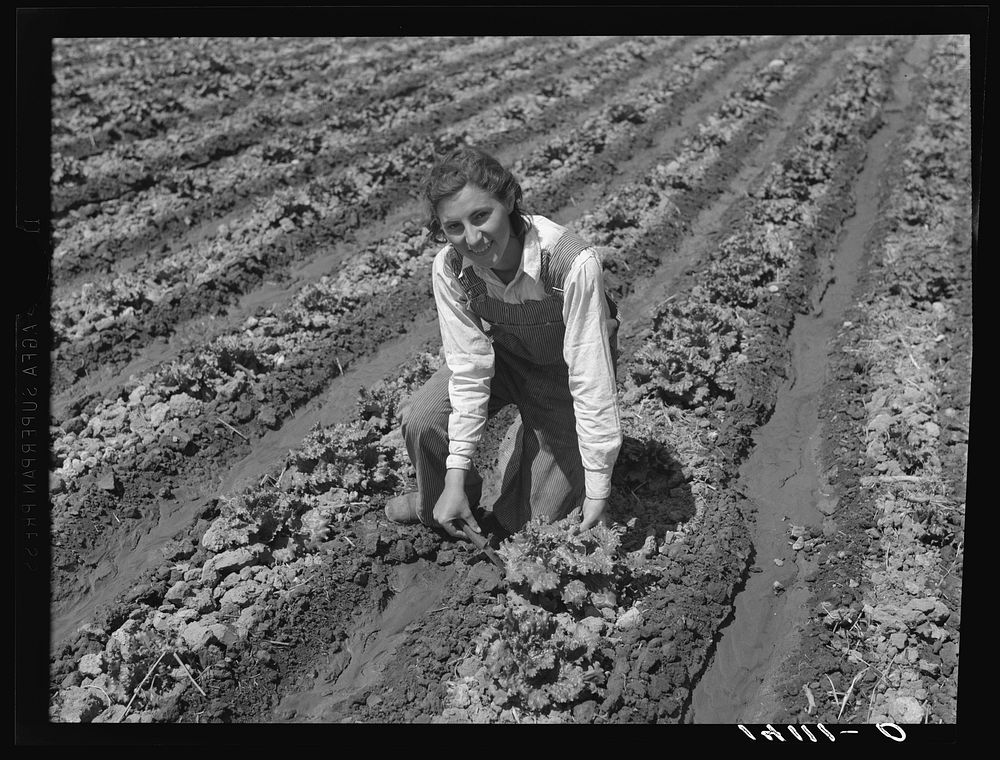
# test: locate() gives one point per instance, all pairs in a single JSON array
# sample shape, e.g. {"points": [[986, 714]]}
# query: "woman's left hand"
{"points": [[593, 512]]}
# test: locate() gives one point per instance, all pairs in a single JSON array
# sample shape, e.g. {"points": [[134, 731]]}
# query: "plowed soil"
{"points": [[241, 307]]}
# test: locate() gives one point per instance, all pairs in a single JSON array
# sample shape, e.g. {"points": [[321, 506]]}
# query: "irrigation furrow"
{"points": [[308, 104], [579, 79], [321, 305], [90, 62], [108, 320], [280, 359], [676, 91], [719, 350], [352, 128], [227, 77], [113, 174], [297, 145], [886, 616], [786, 217]]}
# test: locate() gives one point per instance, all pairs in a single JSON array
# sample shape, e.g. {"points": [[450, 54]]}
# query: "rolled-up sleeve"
{"points": [[468, 353], [591, 372]]}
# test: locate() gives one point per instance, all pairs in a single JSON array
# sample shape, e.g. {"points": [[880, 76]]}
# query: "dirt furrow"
{"points": [[90, 62], [110, 320], [780, 475], [89, 179], [241, 252], [288, 146], [127, 481], [661, 653], [453, 689], [319, 359], [223, 82], [623, 699], [688, 243], [883, 616]]}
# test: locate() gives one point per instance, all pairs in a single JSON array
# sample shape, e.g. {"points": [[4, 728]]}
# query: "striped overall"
{"points": [[545, 477]]}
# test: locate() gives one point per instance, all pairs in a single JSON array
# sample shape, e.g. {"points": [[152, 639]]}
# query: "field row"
{"points": [[324, 167], [305, 114], [152, 86], [122, 443], [637, 657], [272, 349], [109, 321], [203, 173], [719, 350], [897, 641]]}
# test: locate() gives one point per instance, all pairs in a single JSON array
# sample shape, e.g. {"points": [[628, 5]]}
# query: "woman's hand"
{"points": [[453, 506], [593, 512]]}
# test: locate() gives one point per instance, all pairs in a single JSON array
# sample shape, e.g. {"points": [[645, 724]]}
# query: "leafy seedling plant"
{"points": [[569, 592]]}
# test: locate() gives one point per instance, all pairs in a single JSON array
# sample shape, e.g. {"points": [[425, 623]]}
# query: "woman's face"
{"points": [[478, 225]]}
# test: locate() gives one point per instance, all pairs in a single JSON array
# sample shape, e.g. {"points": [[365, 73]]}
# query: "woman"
{"points": [[524, 320]]}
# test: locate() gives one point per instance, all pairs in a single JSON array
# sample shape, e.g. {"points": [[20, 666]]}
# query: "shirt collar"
{"points": [[531, 257]]}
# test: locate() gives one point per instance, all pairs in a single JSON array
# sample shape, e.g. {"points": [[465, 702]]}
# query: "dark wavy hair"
{"points": [[469, 165]]}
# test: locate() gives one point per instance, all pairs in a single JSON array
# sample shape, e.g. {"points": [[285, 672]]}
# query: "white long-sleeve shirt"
{"points": [[469, 353]]}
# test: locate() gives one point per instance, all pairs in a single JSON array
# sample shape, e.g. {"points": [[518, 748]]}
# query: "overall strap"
{"points": [[453, 260], [557, 260], [471, 283], [556, 264]]}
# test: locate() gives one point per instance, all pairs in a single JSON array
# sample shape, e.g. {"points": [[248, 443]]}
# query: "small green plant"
{"points": [[380, 405], [266, 509], [690, 356], [347, 456], [204, 375], [287, 523], [559, 569], [554, 643]]}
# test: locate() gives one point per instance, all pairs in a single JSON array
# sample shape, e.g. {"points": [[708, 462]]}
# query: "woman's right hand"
{"points": [[453, 507]]}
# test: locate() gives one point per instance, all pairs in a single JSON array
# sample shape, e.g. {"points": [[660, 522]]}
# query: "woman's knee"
{"points": [[422, 424], [428, 409]]}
